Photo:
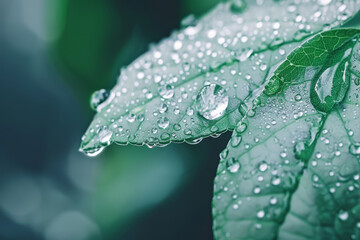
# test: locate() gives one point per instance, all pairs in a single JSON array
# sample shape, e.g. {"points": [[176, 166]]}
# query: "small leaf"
{"points": [[222, 59], [299, 154]]}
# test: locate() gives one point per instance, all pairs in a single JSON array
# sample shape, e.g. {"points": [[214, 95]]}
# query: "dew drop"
{"points": [[166, 91], [233, 165], [241, 127], [355, 149], [163, 122], [235, 140], [263, 166], [257, 190], [275, 180], [343, 215], [212, 102], [99, 99], [260, 214]]}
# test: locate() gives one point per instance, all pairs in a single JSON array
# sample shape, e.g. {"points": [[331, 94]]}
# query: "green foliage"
{"points": [[290, 170]]}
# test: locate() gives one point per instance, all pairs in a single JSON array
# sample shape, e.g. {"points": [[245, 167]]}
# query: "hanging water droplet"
{"points": [[166, 91], [212, 102], [93, 152], [233, 165], [355, 149], [104, 135], [99, 99], [163, 122]]}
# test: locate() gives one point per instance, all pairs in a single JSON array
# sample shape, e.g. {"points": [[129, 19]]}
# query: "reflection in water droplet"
{"points": [[212, 102]]}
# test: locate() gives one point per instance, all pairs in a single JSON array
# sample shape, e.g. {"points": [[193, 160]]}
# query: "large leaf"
{"points": [[201, 80], [291, 171]]}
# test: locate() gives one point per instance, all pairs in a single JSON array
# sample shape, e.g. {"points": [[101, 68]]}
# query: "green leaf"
{"points": [[291, 171], [202, 79]]}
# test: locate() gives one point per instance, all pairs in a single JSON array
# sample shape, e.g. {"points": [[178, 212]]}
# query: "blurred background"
{"points": [[53, 55]]}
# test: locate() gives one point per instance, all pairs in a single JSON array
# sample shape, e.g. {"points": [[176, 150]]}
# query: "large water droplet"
{"points": [[212, 102], [99, 99]]}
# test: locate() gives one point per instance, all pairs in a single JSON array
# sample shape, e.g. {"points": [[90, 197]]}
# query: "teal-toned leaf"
{"points": [[291, 171], [202, 79]]}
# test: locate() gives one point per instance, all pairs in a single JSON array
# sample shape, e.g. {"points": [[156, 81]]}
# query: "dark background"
{"points": [[53, 55]]}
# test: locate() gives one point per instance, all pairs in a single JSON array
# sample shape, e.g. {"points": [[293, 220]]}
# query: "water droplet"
{"points": [[273, 200], [233, 165], [104, 135], [93, 152], [235, 140], [263, 166], [163, 122], [166, 91], [260, 214], [163, 108], [257, 190], [343, 215], [177, 45], [211, 33], [275, 180], [99, 99], [355, 149], [177, 127], [241, 127], [212, 102]]}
